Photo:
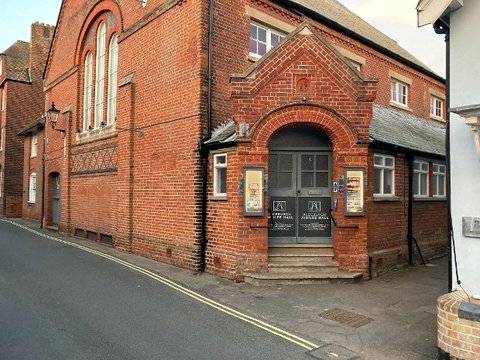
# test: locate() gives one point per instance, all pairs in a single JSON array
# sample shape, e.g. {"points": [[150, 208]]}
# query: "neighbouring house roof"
{"points": [[404, 130], [33, 127], [340, 15], [17, 60], [224, 133]]}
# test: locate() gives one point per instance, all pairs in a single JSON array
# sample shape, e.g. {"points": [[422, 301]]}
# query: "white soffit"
{"points": [[429, 11]]}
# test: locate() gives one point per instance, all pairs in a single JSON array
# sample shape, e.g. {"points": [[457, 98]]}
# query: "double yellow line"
{"points": [[192, 294]]}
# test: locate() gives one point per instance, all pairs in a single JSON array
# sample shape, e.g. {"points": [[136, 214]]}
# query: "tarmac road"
{"points": [[58, 301]]}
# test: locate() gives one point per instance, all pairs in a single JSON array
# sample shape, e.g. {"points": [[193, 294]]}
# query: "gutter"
{"points": [[301, 10]]}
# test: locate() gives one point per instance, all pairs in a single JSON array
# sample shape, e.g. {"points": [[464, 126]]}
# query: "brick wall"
{"points": [[149, 200], [24, 104], [388, 219], [32, 211], [457, 336]]}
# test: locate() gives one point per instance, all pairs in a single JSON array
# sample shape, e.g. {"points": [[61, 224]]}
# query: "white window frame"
{"points": [[384, 168], [2, 135], [112, 79], [396, 93], [436, 107], [268, 44], [87, 91], [439, 170], [420, 172], [3, 99], [33, 145], [217, 173], [100, 75], [32, 188]]}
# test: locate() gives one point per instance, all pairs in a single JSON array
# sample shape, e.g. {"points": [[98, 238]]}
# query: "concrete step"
{"points": [[302, 277], [309, 260], [303, 266], [301, 250]]}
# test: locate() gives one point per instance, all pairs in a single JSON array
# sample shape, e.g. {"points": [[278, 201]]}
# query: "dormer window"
{"points": [[262, 39]]}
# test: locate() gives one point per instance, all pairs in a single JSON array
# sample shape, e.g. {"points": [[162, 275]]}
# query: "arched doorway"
{"points": [[55, 191], [299, 186]]}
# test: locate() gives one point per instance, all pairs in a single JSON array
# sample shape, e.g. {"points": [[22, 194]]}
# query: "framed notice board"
{"points": [[253, 191], [354, 191]]}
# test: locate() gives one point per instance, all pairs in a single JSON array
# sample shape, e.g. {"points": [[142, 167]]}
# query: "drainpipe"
{"points": [[410, 159], [442, 27], [42, 204], [204, 151], [447, 151]]}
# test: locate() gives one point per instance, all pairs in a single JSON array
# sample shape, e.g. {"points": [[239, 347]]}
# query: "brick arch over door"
{"points": [[335, 126]]}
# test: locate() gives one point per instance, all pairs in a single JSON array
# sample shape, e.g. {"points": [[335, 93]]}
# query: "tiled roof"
{"points": [[338, 13], [17, 59], [224, 133], [399, 128]]}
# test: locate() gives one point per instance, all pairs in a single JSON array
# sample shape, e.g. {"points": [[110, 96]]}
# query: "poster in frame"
{"points": [[354, 202], [253, 191]]}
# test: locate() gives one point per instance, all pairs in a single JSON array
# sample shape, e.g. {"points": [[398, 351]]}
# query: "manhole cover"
{"points": [[346, 317]]}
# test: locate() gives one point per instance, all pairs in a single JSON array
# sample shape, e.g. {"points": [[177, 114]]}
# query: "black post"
{"points": [[410, 158]]}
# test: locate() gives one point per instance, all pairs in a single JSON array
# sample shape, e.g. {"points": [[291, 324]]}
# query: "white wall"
{"points": [[465, 166]]}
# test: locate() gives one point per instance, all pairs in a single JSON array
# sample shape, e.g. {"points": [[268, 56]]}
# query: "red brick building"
{"points": [[21, 70], [249, 138]]}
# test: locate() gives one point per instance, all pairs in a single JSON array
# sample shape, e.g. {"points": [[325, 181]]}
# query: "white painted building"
{"points": [[458, 19], [464, 83]]}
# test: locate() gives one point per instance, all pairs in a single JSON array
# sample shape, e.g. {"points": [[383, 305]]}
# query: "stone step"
{"points": [[310, 265], [301, 277], [301, 250], [302, 259]]}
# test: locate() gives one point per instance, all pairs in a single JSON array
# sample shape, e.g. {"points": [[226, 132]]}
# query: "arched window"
{"points": [[112, 80], [87, 92], [100, 75]]}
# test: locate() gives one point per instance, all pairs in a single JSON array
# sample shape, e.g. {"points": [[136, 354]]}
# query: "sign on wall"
{"points": [[253, 192], [354, 192]]}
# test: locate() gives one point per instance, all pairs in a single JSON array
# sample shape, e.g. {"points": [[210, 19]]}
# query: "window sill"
{"points": [[96, 134], [390, 198], [423, 199], [253, 58], [30, 203], [437, 118], [219, 198], [400, 106]]}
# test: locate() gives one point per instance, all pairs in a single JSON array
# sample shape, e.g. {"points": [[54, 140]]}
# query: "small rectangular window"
{"points": [[436, 107], [220, 175], [32, 193], [398, 92], [262, 39], [384, 175], [439, 180], [420, 178], [33, 148]]}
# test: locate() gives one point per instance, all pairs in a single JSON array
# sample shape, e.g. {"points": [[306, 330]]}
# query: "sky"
{"points": [[396, 19]]}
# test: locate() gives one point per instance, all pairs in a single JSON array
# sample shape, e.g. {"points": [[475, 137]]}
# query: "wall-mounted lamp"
{"points": [[471, 114], [52, 117], [143, 3]]}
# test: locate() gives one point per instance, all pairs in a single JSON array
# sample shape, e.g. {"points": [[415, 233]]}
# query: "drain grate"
{"points": [[346, 317]]}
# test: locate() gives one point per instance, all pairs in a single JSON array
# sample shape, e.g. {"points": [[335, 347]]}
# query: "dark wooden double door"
{"points": [[299, 187]]}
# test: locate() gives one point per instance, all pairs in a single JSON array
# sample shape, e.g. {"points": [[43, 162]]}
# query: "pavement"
{"points": [[392, 317]]}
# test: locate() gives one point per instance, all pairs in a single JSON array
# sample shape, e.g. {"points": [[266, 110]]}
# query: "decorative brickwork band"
{"points": [[98, 161]]}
